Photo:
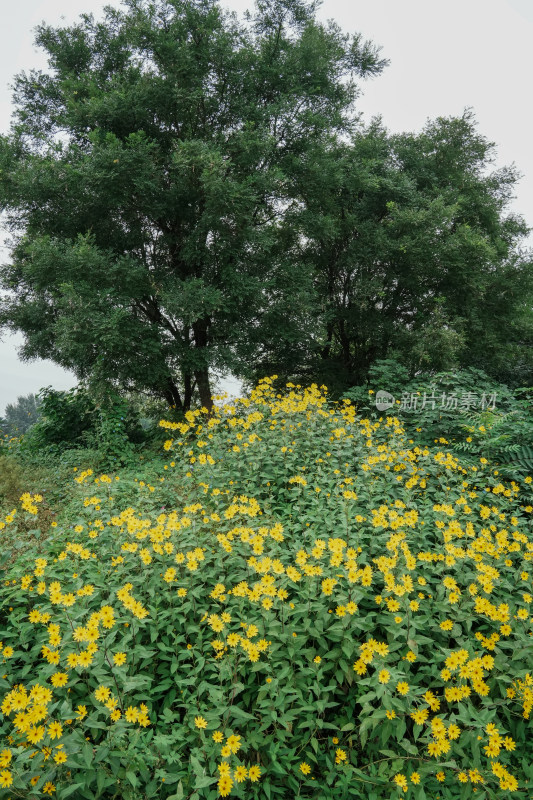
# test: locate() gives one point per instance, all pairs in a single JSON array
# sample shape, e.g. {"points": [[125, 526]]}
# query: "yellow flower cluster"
{"points": [[308, 544]]}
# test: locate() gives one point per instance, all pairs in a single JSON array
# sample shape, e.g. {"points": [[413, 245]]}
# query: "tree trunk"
{"points": [[172, 395], [204, 389], [201, 374], [187, 396], [326, 351]]}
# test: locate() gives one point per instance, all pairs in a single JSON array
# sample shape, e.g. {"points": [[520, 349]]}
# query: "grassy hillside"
{"points": [[299, 603]]}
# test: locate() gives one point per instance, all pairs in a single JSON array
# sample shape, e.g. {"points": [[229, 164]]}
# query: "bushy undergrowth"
{"points": [[465, 409], [107, 427], [305, 604]]}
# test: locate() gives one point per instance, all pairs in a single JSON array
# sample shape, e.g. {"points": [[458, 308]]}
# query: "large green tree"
{"points": [[414, 254], [146, 178]]}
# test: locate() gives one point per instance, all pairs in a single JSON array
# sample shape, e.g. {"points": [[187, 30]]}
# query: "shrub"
{"points": [[65, 417], [11, 481], [463, 409], [79, 418], [326, 612]]}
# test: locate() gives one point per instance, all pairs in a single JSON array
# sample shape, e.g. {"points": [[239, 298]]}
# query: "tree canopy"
{"points": [[145, 176], [415, 255], [188, 193]]}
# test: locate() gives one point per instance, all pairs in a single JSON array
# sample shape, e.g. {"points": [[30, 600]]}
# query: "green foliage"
{"points": [[501, 432], [279, 582], [11, 481], [20, 416], [247, 222], [111, 431], [153, 247], [414, 255], [521, 457], [83, 417], [449, 405], [65, 417]]}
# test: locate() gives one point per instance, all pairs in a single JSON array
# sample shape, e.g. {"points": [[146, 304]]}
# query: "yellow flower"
{"points": [[414, 777], [218, 737], [384, 676], [200, 722], [474, 776], [59, 679], [305, 768], [254, 773], [119, 659], [420, 716], [72, 660], [402, 687], [340, 755], [493, 747], [6, 779], [234, 743], [400, 780], [225, 785], [454, 731], [36, 734], [509, 744], [85, 659], [55, 730]]}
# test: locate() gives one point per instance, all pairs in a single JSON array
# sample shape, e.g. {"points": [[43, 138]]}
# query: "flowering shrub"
{"points": [[327, 612]]}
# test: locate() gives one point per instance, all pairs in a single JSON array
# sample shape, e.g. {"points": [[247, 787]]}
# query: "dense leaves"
{"points": [[414, 256], [191, 195], [145, 178], [305, 604]]}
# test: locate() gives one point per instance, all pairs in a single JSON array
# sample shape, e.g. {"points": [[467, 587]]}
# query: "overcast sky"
{"points": [[445, 56]]}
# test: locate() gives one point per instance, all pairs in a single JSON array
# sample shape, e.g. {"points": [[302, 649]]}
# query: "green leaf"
{"points": [[179, 794], [132, 778], [69, 790], [206, 780]]}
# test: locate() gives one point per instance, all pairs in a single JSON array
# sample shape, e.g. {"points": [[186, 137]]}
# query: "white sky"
{"points": [[444, 57]]}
